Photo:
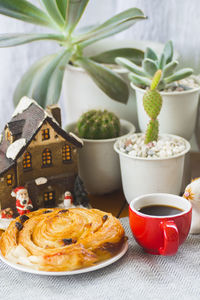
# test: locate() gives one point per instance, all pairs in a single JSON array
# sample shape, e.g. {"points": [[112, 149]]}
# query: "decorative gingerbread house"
{"points": [[37, 153]]}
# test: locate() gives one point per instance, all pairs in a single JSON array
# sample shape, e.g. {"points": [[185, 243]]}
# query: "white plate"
{"points": [[80, 271]]}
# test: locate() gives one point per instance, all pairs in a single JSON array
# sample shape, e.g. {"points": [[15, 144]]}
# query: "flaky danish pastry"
{"points": [[62, 239]]}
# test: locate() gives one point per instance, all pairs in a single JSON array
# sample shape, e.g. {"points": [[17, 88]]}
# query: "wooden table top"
{"points": [[116, 202]]}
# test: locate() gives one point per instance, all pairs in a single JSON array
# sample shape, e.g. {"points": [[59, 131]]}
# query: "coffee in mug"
{"points": [[160, 223], [160, 210]]}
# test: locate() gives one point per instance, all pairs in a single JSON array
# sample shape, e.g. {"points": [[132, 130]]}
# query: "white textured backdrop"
{"points": [[167, 19]]}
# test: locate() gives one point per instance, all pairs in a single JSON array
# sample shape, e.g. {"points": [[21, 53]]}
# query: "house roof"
{"points": [[16, 127], [25, 123]]}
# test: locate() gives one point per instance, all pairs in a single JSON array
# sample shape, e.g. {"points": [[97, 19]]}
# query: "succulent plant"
{"points": [[142, 76], [152, 102], [97, 124], [43, 81]]}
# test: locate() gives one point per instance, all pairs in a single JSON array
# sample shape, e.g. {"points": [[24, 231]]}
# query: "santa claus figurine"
{"points": [[23, 202], [68, 200], [192, 193], [7, 213]]}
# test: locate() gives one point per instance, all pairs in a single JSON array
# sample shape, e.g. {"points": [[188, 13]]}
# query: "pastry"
{"points": [[62, 239]]}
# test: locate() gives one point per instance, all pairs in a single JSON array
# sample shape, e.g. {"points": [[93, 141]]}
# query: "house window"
{"points": [[49, 199], [46, 158], [8, 135], [66, 154], [9, 179], [45, 134], [27, 161]]}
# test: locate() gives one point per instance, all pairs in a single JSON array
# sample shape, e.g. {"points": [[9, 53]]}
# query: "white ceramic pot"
{"points": [[82, 94], [149, 175], [178, 113], [99, 164]]}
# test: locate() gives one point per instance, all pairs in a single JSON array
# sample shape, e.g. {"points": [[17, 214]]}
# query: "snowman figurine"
{"points": [[192, 193], [68, 201]]}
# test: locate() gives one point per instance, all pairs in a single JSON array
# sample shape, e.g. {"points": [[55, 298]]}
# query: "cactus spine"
{"points": [[97, 124], [152, 102]]}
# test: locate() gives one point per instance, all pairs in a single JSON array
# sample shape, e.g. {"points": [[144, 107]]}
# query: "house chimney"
{"points": [[54, 110]]}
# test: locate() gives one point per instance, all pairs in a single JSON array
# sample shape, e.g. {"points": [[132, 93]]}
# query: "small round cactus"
{"points": [[97, 124], [152, 102]]}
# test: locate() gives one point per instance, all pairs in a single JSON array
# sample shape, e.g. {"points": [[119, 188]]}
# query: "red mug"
{"points": [[160, 235]]}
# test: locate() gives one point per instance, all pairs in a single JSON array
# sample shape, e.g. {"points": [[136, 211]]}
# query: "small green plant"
{"points": [[152, 102], [97, 124], [43, 81], [142, 76]]}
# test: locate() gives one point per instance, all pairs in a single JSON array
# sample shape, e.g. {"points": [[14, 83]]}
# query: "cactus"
{"points": [[152, 102], [142, 76], [97, 124], [152, 131]]}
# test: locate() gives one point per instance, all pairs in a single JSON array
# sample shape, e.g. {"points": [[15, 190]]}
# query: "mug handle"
{"points": [[171, 238]]}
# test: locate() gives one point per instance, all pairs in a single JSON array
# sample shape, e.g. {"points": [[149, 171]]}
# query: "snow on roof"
{"points": [[14, 148], [23, 105]]}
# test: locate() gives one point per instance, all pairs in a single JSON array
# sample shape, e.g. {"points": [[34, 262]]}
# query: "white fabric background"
{"points": [[136, 276], [168, 19]]}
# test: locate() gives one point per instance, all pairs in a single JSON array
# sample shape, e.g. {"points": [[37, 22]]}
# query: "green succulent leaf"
{"points": [[180, 74], [9, 40], [127, 14], [62, 6], [139, 80], [82, 30], [24, 86], [107, 80], [108, 57], [130, 66], [44, 80], [112, 26], [56, 79], [161, 85], [54, 12], [168, 52], [149, 66], [161, 61], [24, 11], [75, 9], [149, 53], [169, 68]]}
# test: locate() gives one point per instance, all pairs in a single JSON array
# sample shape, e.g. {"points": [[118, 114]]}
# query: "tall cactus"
{"points": [[152, 102]]}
